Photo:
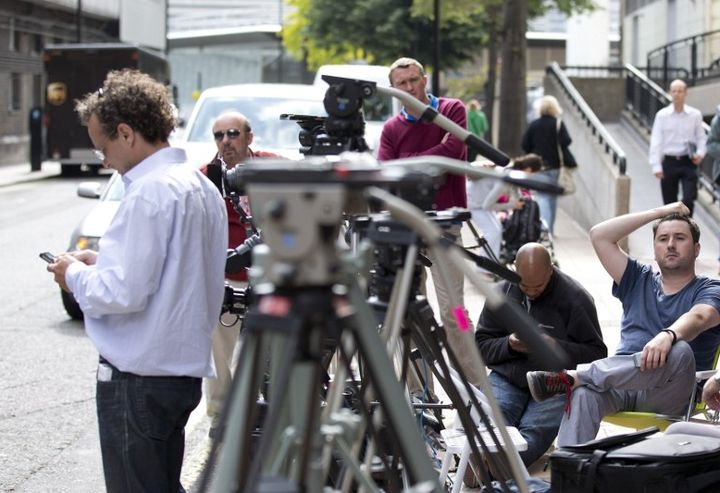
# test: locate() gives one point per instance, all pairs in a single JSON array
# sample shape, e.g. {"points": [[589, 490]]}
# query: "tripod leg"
{"points": [[238, 415], [389, 392]]}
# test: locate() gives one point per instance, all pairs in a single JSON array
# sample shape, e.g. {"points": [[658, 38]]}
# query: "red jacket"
{"points": [[237, 231]]}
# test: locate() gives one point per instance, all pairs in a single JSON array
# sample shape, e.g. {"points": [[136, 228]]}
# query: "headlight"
{"points": [[87, 243]]}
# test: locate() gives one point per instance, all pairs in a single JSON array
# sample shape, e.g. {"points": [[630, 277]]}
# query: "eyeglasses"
{"points": [[232, 133], [99, 154]]}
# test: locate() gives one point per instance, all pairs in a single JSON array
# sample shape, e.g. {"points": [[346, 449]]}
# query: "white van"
{"points": [[376, 109]]}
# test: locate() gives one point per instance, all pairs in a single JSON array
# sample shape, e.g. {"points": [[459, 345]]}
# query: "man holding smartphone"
{"points": [[566, 312], [152, 294]]}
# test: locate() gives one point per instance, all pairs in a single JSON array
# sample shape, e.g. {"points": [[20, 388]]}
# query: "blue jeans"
{"points": [[547, 202], [142, 429], [537, 422]]}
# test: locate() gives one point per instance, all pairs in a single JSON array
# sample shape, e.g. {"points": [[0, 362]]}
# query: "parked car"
{"points": [[86, 235], [261, 103]]}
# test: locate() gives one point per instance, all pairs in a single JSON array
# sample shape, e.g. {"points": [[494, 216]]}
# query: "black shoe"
{"points": [[546, 384]]}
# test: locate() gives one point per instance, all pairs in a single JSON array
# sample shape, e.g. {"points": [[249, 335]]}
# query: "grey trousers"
{"points": [[614, 384], [461, 343]]}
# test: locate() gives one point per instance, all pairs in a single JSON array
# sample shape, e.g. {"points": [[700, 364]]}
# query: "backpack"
{"points": [[523, 226]]}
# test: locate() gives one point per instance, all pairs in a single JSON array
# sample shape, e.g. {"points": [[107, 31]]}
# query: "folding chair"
{"points": [[640, 420], [457, 444]]}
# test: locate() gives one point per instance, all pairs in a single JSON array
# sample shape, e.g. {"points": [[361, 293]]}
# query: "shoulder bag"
{"points": [[565, 179]]}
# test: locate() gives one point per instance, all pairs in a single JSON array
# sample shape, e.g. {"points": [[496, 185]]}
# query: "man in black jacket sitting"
{"points": [[566, 312]]}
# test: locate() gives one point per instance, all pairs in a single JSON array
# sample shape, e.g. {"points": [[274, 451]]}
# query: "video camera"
{"points": [[344, 127]]}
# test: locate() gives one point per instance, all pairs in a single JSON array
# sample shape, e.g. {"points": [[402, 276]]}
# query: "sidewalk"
{"points": [[13, 174]]}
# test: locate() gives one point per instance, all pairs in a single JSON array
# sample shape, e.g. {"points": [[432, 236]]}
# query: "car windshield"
{"points": [[264, 115]]}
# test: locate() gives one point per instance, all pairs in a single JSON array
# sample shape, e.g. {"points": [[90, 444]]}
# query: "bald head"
{"points": [[534, 266], [235, 135], [678, 94]]}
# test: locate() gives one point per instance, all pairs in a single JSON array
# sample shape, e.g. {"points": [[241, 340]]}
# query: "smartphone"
{"points": [[636, 359], [48, 257]]}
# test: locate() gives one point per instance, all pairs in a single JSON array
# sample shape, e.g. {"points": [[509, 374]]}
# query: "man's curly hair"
{"points": [[134, 98]]}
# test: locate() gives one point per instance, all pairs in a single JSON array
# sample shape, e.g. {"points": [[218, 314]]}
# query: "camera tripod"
{"points": [[404, 308], [306, 301]]}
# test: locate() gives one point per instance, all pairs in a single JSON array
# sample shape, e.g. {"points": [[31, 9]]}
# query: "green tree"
{"points": [[513, 89], [376, 31], [379, 31]]}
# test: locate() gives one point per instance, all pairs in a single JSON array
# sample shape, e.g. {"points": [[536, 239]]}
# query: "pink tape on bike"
{"points": [[461, 318]]}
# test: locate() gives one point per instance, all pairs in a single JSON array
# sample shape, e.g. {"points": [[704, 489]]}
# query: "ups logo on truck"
{"points": [[56, 93]]}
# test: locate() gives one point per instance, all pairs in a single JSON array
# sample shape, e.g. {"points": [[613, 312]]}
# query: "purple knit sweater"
{"points": [[401, 138]]}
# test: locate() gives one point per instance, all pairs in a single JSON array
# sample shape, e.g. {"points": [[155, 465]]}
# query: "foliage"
{"points": [[466, 88], [377, 31]]}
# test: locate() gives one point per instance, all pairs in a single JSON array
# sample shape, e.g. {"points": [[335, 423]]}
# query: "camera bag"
{"points": [[638, 462]]}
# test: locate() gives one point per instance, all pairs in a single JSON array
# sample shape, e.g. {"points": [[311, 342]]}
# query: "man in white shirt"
{"points": [[153, 292], [677, 147]]}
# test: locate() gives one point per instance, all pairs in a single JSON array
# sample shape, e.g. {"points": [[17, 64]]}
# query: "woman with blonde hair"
{"points": [[544, 136]]}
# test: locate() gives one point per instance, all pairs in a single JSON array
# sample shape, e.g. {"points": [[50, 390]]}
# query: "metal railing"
{"points": [[699, 54], [643, 97], [589, 117]]}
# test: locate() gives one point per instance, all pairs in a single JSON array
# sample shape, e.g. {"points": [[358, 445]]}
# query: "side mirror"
{"points": [[89, 190]]}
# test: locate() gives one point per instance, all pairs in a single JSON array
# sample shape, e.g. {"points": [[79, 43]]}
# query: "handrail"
{"points": [[698, 45], [643, 97], [589, 116]]}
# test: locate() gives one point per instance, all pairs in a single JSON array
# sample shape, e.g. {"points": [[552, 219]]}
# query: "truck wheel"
{"points": [[70, 170], [71, 306]]}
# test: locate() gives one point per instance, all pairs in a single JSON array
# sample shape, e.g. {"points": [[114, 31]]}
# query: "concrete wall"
{"points": [[601, 191], [605, 96]]}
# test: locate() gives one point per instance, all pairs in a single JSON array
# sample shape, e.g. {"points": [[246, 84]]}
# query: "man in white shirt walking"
{"points": [[152, 293], [677, 147]]}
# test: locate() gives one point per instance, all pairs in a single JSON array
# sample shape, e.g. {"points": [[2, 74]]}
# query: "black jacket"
{"points": [[541, 138], [565, 306]]}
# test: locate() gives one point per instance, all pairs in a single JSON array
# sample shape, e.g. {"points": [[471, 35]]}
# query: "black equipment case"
{"points": [[638, 462]]}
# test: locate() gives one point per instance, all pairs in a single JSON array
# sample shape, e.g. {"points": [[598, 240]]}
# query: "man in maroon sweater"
{"points": [[405, 136], [233, 136]]}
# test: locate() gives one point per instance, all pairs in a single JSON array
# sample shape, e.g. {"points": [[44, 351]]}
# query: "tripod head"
{"points": [[299, 206], [344, 127]]}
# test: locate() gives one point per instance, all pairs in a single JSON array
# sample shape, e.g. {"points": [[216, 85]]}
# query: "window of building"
{"points": [[38, 43], [12, 36], [20, 45], [37, 90], [15, 99]]}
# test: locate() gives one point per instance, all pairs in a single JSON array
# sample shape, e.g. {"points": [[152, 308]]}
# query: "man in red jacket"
{"points": [[404, 135], [233, 136]]}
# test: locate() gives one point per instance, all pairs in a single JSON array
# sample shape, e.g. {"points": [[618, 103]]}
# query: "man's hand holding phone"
{"points": [[48, 257]]}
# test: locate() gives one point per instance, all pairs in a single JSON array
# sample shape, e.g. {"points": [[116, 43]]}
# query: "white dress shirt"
{"points": [[154, 296], [671, 133]]}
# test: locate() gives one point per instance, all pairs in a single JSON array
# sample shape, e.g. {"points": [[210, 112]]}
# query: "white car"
{"points": [[87, 234], [261, 103]]}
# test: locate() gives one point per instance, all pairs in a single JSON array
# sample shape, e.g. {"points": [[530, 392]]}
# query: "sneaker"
{"points": [[546, 384]]}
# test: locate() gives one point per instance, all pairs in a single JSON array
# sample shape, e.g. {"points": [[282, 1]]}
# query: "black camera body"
{"points": [[344, 127]]}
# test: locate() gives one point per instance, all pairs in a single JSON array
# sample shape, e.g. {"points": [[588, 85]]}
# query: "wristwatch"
{"points": [[716, 377]]}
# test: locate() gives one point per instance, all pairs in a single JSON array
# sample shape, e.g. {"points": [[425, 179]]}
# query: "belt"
{"points": [[107, 371], [676, 158]]}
